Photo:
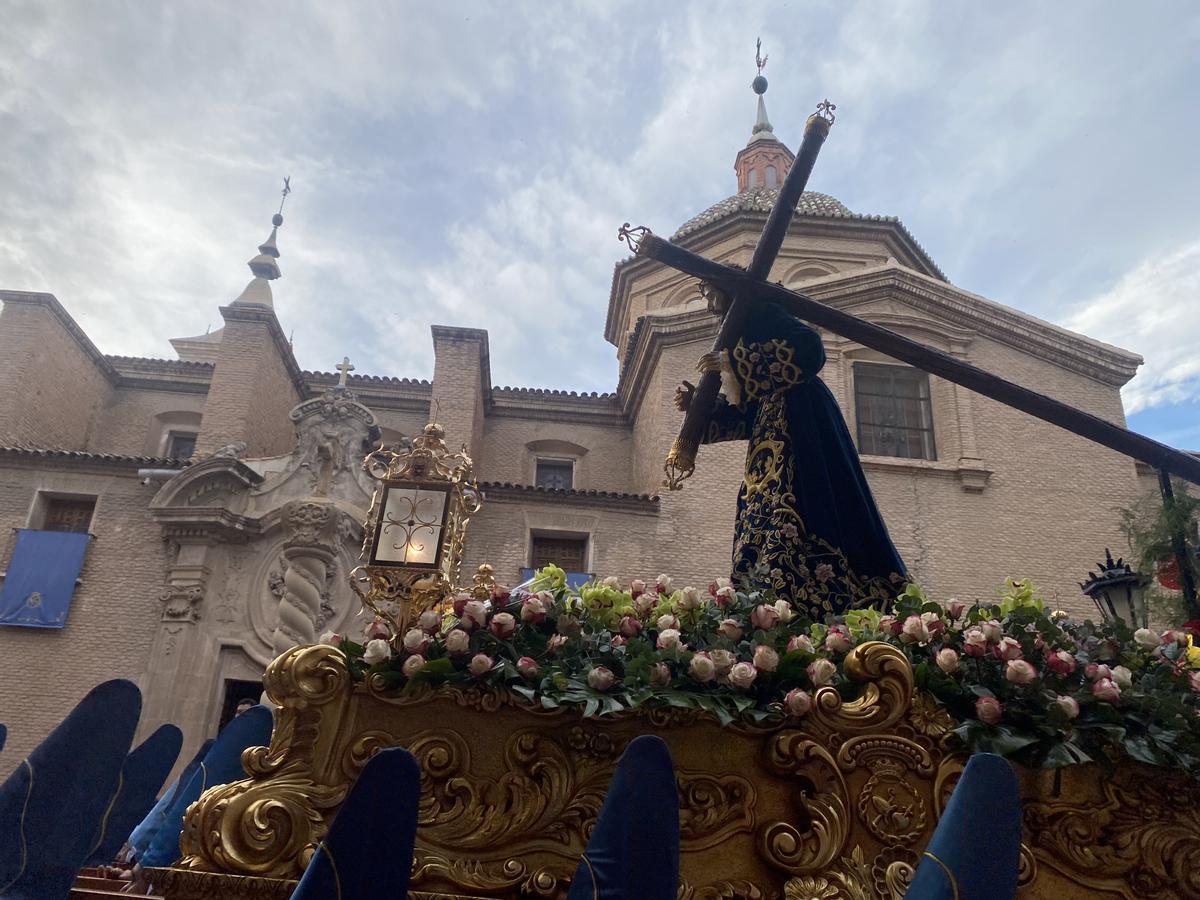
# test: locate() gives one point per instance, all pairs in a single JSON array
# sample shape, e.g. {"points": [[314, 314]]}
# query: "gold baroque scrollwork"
{"points": [[887, 691], [822, 806], [723, 890]]}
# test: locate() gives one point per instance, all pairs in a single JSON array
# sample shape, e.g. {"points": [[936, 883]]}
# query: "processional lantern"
{"points": [[416, 529], [1118, 592]]}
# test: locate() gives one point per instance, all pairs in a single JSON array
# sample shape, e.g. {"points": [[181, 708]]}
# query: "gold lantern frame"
{"points": [[398, 591]]}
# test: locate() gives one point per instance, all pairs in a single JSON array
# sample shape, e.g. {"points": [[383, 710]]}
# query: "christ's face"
{"points": [[718, 303]]}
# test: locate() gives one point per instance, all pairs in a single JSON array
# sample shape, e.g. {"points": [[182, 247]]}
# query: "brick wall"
{"points": [[52, 384], [135, 421], [460, 376], [115, 611], [252, 389]]}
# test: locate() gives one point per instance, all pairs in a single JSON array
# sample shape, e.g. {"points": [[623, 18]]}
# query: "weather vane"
{"points": [[759, 59], [287, 189]]}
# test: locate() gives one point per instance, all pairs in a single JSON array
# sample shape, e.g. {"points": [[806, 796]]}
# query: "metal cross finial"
{"points": [[345, 368], [759, 59], [287, 189], [825, 110]]}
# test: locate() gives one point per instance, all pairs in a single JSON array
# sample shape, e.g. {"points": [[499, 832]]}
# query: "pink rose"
{"points": [[797, 702], [377, 630], [890, 625], [821, 671], [533, 611], [974, 642], [601, 678], [643, 604], [1194, 681], [619, 640], [667, 621], [702, 667], [1007, 648], [458, 642], [630, 626], [731, 629], [556, 643], [690, 599], [662, 584], [480, 665], [668, 639], [430, 621], [764, 616], [955, 609], [503, 625], [527, 667], [914, 631], [742, 676], [660, 674], [1020, 671], [1067, 706], [724, 661], [838, 639], [991, 630], [412, 665], [1107, 690], [1061, 662], [637, 587], [460, 602], [474, 614], [1096, 671], [801, 642], [716, 587], [500, 594], [765, 658], [1179, 638], [947, 660], [725, 596], [416, 640], [988, 710]]}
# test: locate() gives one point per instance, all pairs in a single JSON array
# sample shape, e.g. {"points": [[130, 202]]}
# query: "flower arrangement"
{"points": [[1016, 679]]}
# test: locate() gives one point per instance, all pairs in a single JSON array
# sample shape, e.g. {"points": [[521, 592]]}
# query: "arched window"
{"points": [[772, 176], [753, 180]]}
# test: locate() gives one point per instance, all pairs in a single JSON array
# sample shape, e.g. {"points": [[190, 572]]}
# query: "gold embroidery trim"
{"points": [[949, 875], [21, 830], [107, 813], [337, 878], [592, 873]]}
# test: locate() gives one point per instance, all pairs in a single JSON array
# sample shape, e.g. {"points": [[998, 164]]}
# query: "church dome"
{"points": [[760, 200]]}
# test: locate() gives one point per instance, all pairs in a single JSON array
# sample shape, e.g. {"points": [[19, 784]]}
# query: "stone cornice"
{"points": [[946, 303], [170, 375], [377, 392], [652, 334], [561, 406], [266, 316], [639, 503], [50, 302], [42, 455]]}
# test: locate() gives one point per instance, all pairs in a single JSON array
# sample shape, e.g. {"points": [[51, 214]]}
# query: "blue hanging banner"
{"points": [[40, 581]]}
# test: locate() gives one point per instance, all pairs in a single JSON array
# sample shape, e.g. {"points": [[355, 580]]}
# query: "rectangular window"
{"points": [[181, 444], [893, 411], [555, 474], [67, 513], [569, 554]]}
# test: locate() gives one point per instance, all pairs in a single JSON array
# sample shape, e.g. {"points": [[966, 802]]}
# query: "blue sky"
{"points": [[468, 163]]}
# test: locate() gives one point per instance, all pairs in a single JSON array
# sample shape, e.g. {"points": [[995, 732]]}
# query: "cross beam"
{"points": [[737, 282]]}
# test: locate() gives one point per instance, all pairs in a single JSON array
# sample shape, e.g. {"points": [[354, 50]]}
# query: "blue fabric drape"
{"points": [[40, 581], [368, 852], [974, 852], [51, 805]]}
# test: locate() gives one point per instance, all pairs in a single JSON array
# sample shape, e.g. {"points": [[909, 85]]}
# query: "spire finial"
{"points": [[759, 59], [762, 125], [277, 219], [265, 266], [345, 369]]}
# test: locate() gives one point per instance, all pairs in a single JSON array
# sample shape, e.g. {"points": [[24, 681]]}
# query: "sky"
{"points": [[469, 163]]}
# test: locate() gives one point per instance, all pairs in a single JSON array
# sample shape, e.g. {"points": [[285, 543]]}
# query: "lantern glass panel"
{"points": [[412, 525]]}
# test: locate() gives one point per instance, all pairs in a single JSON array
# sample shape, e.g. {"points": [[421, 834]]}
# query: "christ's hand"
{"points": [[709, 362], [683, 396]]}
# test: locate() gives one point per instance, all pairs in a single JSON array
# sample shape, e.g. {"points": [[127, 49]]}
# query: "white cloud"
{"points": [[1152, 309]]}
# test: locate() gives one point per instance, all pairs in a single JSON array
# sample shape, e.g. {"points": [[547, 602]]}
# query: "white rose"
{"points": [[731, 629], [1146, 639], [415, 640], [612, 581], [797, 702], [821, 671], [742, 675], [480, 665], [663, 584], [765, 658], [458, 642], [667, 621], [785, 611], [1123, 677], [723, 659], [601, 678], [413, 665], [377, 650], [690, 599], [668, 639], [475, 614], [702, 667], [429, 621]]}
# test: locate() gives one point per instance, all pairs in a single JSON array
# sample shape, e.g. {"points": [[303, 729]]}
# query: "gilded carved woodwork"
{"points": [[837, 805]]}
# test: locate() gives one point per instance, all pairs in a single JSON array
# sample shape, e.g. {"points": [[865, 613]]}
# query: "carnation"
{"points": [[702, 667], [988, 710], [503, 625], [480, 665], [797, 702], [668, 639], [413, 665], [376, 651], [742, 676], [765, 658], [458, 642], [821, 671], [601, 678]]}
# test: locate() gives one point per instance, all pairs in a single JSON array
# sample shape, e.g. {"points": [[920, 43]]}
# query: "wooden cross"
{"points": [[345, 368]]}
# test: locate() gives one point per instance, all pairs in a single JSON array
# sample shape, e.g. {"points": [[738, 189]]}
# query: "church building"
{"points": [[225, 500]]}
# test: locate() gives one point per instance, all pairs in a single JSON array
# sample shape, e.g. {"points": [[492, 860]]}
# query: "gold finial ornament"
{"points": [[825, 110], [416, 530], [634, 237], [680, 464]]}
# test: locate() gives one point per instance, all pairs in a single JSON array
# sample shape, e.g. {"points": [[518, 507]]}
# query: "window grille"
{"points": [[893, 411], [67, 513], [566, 553], [181, 445], [556, 474]]}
